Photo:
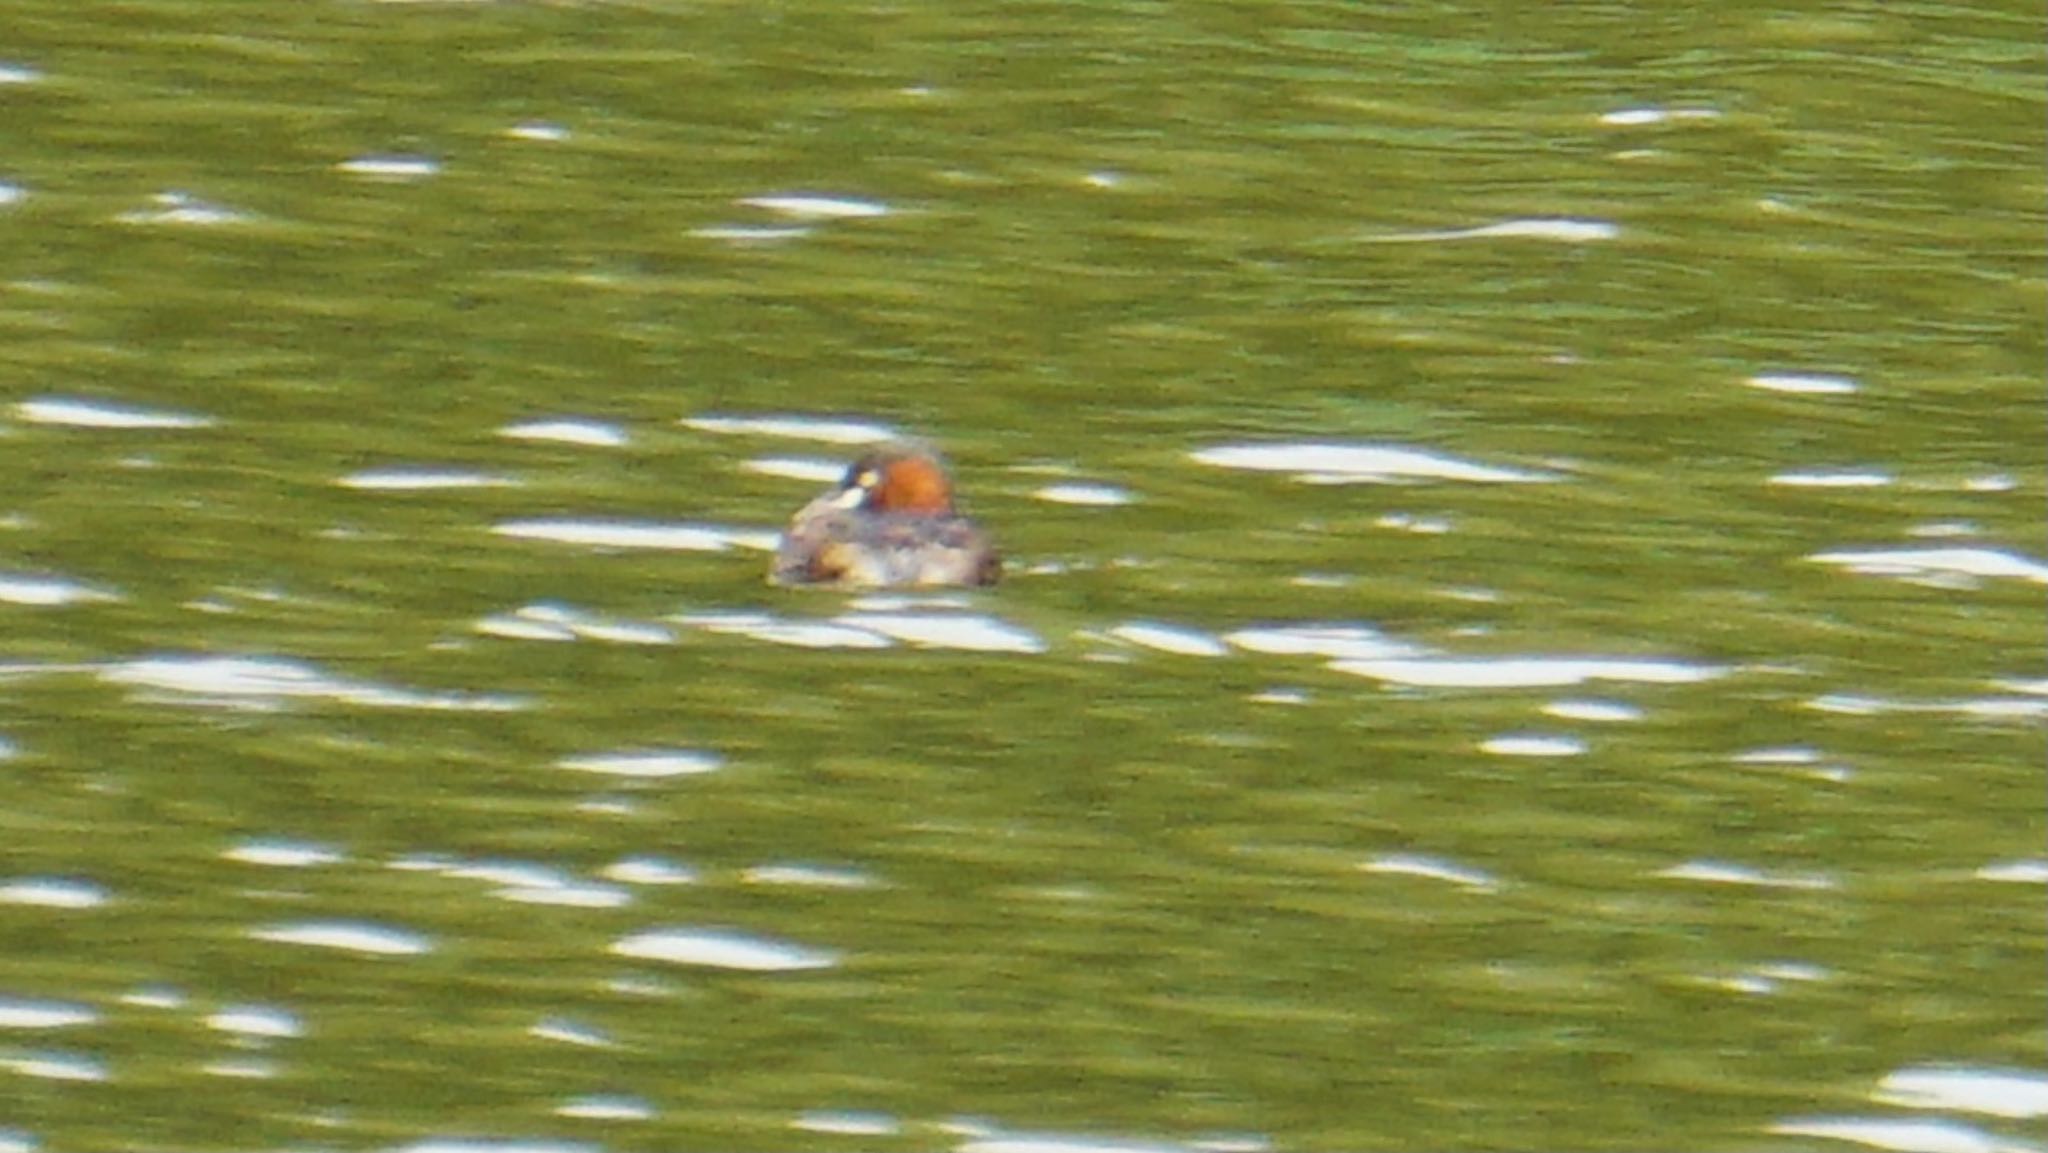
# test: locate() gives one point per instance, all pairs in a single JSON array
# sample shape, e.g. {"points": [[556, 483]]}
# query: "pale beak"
{"points": [[832, 502]]}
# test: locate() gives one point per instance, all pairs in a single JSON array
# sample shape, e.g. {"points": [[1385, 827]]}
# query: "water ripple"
{"points": [[180, 208], [606, 1108], [52, 1065], [1566, 230], [53, 893], [1724, 873], [1804, 383], [1936, 562], [1336, 463], [267, 682], [718, 949], [1903, 1136], [645, 763], [2009, 1093], [1525, 672], [347, 936], [395, 167], [628, 534], [1088, 495], [81, 413], [964, 632], [804, 207], [559, 622], [282, 854], [421, 479], [794, 427], [48, 592], [16, 1013], [257, 1021], [1174, 639], [585, 433], [1434, 868]]}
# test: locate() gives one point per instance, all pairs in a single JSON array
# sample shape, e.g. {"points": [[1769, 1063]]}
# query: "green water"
{"points": [[1103, 890]]}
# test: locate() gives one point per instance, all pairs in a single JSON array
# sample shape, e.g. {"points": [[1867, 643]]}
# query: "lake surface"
{"points": [[1524, 624]]}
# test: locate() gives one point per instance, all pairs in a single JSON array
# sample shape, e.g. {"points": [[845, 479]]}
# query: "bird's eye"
{"points": [[867, 479]]}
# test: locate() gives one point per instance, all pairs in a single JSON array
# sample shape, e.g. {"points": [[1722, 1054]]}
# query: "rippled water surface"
{"points": [[1523, 625]]}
